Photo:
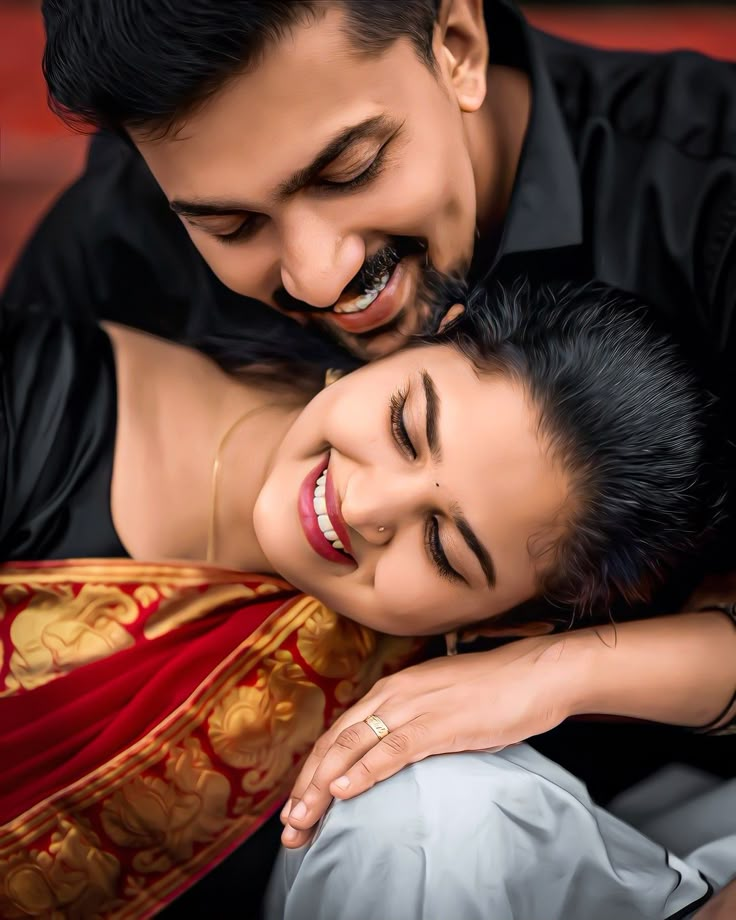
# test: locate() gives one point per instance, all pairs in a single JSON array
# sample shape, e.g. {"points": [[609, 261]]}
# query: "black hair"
{"points": [[622, 414], [146, 64], [619, 409]]}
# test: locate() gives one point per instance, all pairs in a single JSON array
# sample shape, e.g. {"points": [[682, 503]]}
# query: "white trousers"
{"points": [[511, 836]]}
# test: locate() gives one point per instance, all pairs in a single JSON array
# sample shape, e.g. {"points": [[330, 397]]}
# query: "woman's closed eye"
{"points": [[432, 539], [398, 424], [437, 552]]}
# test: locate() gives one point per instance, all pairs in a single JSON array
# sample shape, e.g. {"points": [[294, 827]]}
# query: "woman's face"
{"points": [[412, 495]]}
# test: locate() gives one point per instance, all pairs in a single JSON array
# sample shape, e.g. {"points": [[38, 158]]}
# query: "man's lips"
{"points": [[308, 518], [383, 309]]}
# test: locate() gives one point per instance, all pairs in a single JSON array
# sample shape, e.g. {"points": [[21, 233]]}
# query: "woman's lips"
{"points": [[308, 518], [383, 309], [333, 513]]}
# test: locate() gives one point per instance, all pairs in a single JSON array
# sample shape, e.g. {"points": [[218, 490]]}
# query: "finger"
{"points": [[361, 710], [292, 838], [408, 744], [349, 746]]}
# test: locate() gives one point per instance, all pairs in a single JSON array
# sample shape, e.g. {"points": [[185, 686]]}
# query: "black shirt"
{"points": [[628, 175]]}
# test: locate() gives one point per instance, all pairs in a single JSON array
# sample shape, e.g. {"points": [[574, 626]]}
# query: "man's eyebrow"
{"points": [[476, 547], [433, 416], [208, 208], [371, 127]]}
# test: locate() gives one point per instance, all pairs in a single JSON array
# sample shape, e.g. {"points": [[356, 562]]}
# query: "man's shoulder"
{"points": [[682, 99]]}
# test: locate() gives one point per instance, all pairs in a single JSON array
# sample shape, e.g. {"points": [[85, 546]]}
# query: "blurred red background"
{"points": [[39, 156]]}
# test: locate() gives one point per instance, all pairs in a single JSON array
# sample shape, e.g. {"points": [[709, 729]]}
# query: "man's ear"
{"points": [[462, 50], [456, 310]]}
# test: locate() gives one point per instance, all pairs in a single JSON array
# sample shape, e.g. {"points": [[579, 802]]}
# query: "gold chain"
{"points": [[216, 467]]}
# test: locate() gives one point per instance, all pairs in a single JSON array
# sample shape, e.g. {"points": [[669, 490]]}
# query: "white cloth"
{"points": [[503, 836]]}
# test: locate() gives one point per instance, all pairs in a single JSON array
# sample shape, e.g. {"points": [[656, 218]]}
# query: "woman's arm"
{"points": [[678, 669]]}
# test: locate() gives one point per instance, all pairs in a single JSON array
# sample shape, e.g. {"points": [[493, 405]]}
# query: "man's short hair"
{"points": [[147, 64]]}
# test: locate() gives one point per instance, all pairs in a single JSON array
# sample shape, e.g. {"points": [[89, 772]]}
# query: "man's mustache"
{"points": [[374, 267]]}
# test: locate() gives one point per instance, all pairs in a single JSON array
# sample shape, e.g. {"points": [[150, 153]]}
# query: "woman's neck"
{"points": [[174, 408]]}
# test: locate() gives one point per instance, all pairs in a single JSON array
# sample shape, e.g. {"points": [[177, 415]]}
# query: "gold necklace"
{"points": [[216, 467]]}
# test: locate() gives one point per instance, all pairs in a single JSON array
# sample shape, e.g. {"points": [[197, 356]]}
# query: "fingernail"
{"points": [[286, 809], [299, 811], [342, 782], [290, 833]]}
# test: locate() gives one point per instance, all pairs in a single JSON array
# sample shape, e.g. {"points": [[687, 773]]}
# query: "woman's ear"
{"points": [[456, 310]]}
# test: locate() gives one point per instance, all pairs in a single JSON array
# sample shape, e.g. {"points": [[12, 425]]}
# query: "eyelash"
{"points": [[246, 229], [434, 545], [371, 172], [401, 435], [432, 531]]}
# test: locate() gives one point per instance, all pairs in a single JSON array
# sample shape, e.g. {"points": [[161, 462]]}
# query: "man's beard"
{"points": [[436, 293]]}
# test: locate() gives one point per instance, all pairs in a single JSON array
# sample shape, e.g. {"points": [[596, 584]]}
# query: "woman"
{"points": [[443, 485]]}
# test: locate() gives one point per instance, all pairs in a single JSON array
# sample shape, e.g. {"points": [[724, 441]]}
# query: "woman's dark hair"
{"points": [[619, 410], [146, 64], [621, 413]]}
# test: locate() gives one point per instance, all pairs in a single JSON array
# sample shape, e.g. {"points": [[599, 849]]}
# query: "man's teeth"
{"points": [[358, 304], [320, 509]]}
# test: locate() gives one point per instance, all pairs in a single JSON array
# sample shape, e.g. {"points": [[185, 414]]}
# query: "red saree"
{"points": [[152, 717]]}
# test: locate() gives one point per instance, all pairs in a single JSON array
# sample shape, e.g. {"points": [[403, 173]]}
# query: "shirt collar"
{"points": [[545, 211]]}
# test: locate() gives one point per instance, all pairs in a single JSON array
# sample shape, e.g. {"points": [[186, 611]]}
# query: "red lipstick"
{"points": [[308, 517]]}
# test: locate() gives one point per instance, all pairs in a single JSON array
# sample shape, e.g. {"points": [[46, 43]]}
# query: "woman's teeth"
{"points": [[320, 509], [358, 304]]}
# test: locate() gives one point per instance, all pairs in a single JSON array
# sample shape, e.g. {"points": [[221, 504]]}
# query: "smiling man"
{"points": [[325, 157], [265, 161]]}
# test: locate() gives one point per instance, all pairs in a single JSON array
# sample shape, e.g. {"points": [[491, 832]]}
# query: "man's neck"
{"points": [[496, 136]]}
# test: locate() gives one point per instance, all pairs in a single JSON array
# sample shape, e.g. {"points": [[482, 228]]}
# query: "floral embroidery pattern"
{"points": [[122, 840]]}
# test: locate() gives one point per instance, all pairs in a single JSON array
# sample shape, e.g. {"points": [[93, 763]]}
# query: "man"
{"points": [[324, 157], [313, 152]]}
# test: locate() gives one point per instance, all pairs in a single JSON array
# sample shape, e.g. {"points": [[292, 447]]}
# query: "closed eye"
{"points": [[437, 553], [371, 171], [246, 230], [398, 426]]}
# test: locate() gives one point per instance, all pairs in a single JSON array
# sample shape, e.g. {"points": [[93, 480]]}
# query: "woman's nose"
{"points": [[375, 505]]}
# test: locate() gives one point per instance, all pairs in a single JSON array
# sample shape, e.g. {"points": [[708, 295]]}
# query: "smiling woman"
{"points": [[521, 452], [546, 442]]}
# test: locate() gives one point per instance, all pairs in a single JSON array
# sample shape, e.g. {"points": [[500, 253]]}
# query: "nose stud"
{"points": [[381, 529]]}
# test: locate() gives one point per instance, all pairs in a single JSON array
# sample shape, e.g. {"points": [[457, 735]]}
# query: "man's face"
{"points": [[327, 182]]}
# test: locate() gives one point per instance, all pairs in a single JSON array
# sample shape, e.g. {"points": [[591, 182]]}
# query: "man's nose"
{"points": [[318, 262]]}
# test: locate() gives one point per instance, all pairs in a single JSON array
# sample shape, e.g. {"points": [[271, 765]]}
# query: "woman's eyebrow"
{"points": [[475, 546], [432, 416], [435, 447]]}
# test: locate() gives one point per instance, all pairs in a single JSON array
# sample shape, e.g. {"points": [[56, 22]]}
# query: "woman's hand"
{"points": [[464, 703]]}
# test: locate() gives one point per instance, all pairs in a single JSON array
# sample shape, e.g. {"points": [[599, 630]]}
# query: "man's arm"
{"points": [[678, 669]]}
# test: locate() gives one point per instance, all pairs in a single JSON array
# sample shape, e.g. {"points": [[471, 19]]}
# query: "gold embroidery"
{"points": [[58, 632], [163, 819], [73, 878], [168, 806], [332, 645], [186, 607], [146, 595], [261, 728], [14, 594]]}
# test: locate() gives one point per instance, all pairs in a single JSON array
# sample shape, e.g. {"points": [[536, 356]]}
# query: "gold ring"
{"points": [[377, 725]]}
